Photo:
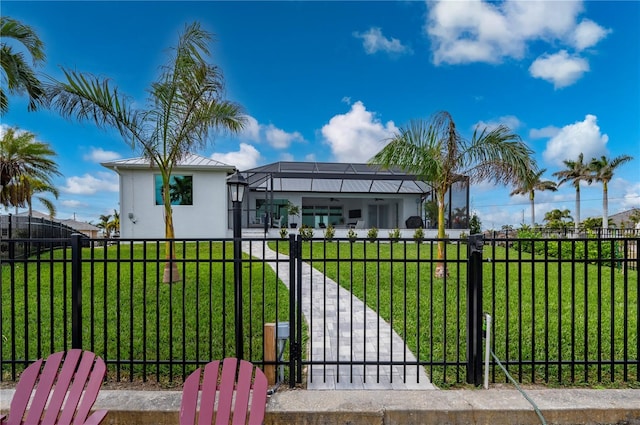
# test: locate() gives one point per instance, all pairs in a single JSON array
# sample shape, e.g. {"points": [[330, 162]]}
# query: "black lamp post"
{"points": [[237, 185]]}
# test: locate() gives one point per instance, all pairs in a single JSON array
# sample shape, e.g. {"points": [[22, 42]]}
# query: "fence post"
{"points": [[293, 340], [474, 309], [76, 290]]}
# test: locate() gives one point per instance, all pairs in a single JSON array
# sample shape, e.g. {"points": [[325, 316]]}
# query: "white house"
{"points": [[342, 195], [200, 204]]}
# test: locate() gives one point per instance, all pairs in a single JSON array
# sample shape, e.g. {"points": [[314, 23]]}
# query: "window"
{"points": [[180, 189]]}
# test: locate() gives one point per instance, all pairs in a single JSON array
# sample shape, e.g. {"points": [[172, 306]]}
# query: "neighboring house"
{"points": [[345, 195], [198, 191], [622, 220]]}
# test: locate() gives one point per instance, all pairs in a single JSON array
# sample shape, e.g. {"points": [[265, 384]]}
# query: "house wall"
{"points": [[140, 217]]}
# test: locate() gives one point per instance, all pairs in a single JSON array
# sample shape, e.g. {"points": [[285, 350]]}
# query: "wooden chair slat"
{"points": [[227, 387], [209, 392], [190, 398], [23, 392], [243, 392]]}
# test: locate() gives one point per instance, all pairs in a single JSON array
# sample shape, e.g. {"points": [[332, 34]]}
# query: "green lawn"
{"points": [[545, 312], [135, 317]]}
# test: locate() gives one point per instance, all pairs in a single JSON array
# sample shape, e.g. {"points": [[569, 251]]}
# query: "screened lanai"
{"points": [[344, 195]]}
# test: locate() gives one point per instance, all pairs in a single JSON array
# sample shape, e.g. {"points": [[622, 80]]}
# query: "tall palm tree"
{"points": [[529, 185], [603, 169], [19, 75], [576, 172], [23, 156], [28, 187], [435, 151], [185, 104]]}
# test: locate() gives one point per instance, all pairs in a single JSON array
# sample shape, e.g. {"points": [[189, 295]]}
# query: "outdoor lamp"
{"points": [[236, 184]]}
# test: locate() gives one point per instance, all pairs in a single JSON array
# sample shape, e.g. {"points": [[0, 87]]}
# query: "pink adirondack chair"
{"points": [[223, 397], [61, 392]]}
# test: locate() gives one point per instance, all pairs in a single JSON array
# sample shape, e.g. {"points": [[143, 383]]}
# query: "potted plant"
{"points": [[293, 211]]}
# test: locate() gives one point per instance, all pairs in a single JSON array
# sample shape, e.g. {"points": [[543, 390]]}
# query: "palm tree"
{"points": [[557, 219], [28, 186], [26, 167], [19, 75], [185, 104], [114, 224], [104, 224], [529, 185], [603, 169], [435, 151], [575, 172]]}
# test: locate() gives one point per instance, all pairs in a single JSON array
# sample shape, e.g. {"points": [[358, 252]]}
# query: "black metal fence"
{"points": [[564, 311], [28, 227]]}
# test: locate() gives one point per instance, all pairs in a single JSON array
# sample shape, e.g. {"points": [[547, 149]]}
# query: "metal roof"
{"points": [[333, 177], [190, 160]]}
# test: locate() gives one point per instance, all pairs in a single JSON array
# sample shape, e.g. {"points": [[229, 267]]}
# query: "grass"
{"points": [[553, 320], [136, 317], [556, 322]]}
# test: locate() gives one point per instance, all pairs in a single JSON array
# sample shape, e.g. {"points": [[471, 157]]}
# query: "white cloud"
{"points": [[89, 184], [357, 135], [631, 197], [279, 138], [276, 137], [560, 68], [251, 130], [74, 204], [310, 157], [508, 120], [373, 41], [244, 159], [588, 34], [478, 31], [573, 139], [543, 133], [100, 155]]}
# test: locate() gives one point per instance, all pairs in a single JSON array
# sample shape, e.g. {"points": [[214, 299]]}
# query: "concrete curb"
{"points": [[494, 406]]}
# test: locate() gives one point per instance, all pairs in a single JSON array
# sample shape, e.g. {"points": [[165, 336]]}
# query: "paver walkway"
{"points": [[341, 326]]}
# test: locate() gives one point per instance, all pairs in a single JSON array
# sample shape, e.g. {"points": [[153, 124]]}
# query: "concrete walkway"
{"points": [[343, 329]]}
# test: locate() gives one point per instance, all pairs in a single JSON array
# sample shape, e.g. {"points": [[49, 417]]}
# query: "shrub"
{"points": [[329, 233], [284, 233], [352, 235], [394, 235], [306, 232], [372, 235], [418, 235]]}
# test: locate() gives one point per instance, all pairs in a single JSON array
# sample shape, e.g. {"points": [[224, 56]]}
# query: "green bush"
{"points": [[418, 235], [372, 235], [352, 235], [394, 235], [284, 233], [329, 233], [306, 232]]}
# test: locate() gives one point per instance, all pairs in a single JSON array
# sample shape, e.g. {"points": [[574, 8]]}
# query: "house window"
{"points": [[180, 189]]}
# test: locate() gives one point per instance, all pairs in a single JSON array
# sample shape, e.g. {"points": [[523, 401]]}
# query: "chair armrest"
{"points": [[96, 417]]}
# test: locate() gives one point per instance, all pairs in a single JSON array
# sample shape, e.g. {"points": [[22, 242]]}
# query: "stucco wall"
{"points": [[206, 218]]}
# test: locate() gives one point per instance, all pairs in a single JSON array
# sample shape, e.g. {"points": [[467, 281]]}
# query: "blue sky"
{"points": [[331, 81]]}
